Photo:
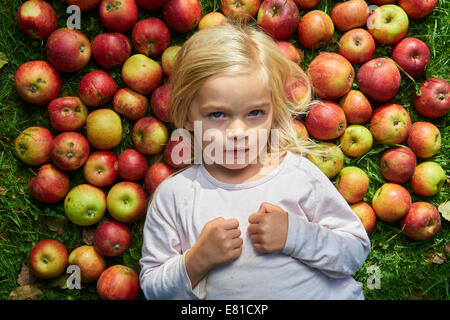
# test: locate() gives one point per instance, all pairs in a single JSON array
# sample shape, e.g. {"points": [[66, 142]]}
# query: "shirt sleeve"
{"points": [[332, 238], [163, 273]]}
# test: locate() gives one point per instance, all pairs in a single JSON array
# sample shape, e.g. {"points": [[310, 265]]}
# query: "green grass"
{"points": [[406, 268]]}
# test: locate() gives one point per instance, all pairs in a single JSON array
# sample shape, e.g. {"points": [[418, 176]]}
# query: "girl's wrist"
{"points": [[196, 265]]}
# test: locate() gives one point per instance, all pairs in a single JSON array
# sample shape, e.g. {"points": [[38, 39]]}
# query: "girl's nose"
{"points": [[236, 130]]}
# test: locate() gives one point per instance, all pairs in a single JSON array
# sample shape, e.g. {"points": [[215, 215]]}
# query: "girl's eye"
{"points": [[215, 115], [252, 113]]}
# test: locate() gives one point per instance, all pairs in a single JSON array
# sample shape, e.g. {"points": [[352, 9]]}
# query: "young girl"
{"points": [[271, 226]]}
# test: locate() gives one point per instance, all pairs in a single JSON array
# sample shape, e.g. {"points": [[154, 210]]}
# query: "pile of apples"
{"points": [[121, 183]]}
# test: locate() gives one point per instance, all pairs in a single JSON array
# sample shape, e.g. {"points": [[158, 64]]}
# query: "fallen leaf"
{"points": [[447, 247], [56, 224], [88, 236], [3, 59], [3, 191], [25, 276], [438, 258], [444, 209], [60, 281], [27, 292]]}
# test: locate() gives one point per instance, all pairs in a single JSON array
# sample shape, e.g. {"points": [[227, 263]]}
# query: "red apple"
{"points": [[278, 18], [315, 29], [118, 15], [422, 221], [90, 262], [356, 107], [68, 50], [390, 124], [111, 238], [391, 202], [240, 9], [211, 19], [388, 24], [151, 37], [160, 102], [297, 91], [398, 164], [307, 4], [130, 104], [37, 19], [300, 129], [67, 113], [70, 150], [48, 259], [326, 120], [328, 157], [118, 283], [37, 82], [357, 46], [290, 51], [132, 165], [434, 101], [412, 55], [168, 59], [331, 75], [111, 49], [382, 2], [50, 185], [156, 174], [101, 168], [126, 201], [428, 179], [33, 145], [379, 79], [417, 9], [424, 139], [142, 74], [104, 129], [182, 15], [85, 5], [366, 214], [352, 183], [176, 153], [149, 135], [349, 14], [151, 4], [97, 88], [356, 140]]}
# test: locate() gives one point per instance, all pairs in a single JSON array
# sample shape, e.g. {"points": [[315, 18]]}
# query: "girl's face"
{"points": [[235, 113]]}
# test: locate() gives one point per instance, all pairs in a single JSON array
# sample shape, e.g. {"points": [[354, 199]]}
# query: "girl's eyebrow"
{"points": [[212, 106]]}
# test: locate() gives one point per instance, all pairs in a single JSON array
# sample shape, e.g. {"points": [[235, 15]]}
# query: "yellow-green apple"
{"points": [[352, 183], [278, 18], [130, 104], [300, 129], [85, 204], [150, 36], [67, 113], [211, 19], [434, 101], [390, 124], [149, 135], [417, 9], [118, 15], [101, 168], [156, 174], [126, 201], [422, 221], [104, 129], [388, 24], [111, 238], [424, 139], [68, 50], [398, 164], [326, 120], [331, 75], [37, 82], [111, 49], [296, 91], [37, 19], [379, 79], [307, 4], [391, 202], [168, 58], [97, 88], [329, 158], [290, 51], [151, 4], [356, 107], [33, 145], [357, 46], [91, 263], [366, 214], [428, 178], [176, 153], [132, 165], [349, 14], [141, 73], [412, 55], [85, 5], [69, 151], [50, 185], [160, 102], [356, 140], [118, 282], [240, 9], [382, 2], [315, 29], [182, 15], [48, 259]]}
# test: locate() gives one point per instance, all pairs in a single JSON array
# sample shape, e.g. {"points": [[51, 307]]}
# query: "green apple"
{"points": [[388, 24], [127, 201], [328, 157], [104, 129], [356, 141], [428, 178], [85, 205]]}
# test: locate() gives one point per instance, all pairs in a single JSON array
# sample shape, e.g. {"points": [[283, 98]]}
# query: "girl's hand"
{"points": [[219, 243], [268, 228]]}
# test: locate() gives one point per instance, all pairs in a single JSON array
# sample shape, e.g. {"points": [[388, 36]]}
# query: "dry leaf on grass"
{"points": [[25, 277], [88, 236], [27, 292], [447, 247], [56, 224], [444, 209], [438, 258]]}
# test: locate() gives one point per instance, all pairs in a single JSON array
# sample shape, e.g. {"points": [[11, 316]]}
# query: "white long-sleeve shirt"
{"points": [[326, 242]]}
